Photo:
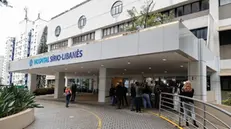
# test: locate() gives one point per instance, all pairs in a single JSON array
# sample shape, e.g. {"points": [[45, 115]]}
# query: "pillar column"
{"points": [[70, 42], [216, 86], [104, 84], [59, 85], [197, 74], [66, 81], [32, 81]]}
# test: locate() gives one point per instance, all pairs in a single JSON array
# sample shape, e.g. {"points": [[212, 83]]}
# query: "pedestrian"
{"points": [[133, 96], [138, 100], [68, 93], [146, 97], [188, 104], [73, 89], [125, 91], [112, 93], [119, 94]]}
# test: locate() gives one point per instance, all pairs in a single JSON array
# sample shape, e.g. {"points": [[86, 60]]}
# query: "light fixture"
{"points": [[81, 67], [164, 59], [150, 68], [65, 68], [129, 62], [181, 66], [102, 65], [125, 69], [142, 72], [123, 73], [165, 71]]}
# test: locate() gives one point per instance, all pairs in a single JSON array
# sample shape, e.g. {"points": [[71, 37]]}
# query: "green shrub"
{"points": [[44, 91], [227, 101], [14, 100]]}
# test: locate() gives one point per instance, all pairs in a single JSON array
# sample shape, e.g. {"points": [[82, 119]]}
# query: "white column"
{"points": [[32, 81], [98, 34], [104, 84], [66, 81], [59, 85], [197, 74], [49, 48], [216, 86], [90, 84], [70, 42]]}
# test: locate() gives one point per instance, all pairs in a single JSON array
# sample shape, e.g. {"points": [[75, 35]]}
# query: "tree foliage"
{"points": [[146, 17], [43, 48], [5, 3]]}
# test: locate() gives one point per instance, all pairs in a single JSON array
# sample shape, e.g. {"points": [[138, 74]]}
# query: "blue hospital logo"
{"points": [[31, 62]]}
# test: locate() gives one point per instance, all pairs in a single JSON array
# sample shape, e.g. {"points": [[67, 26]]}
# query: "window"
{"points": [[224, 2], [179, 11], [117, 8], [200, 33], [172, 13], [204, 4], [59, 45], [57, 31], [195, 7], [84, 38], [82, 22], [187, 9]]}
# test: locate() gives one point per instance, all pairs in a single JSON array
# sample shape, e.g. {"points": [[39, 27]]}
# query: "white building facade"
{"points": [[25, 44], [93, 44]]}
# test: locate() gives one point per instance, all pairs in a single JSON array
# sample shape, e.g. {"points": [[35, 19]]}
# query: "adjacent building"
{"points": [[85, 43], [25, 44]]}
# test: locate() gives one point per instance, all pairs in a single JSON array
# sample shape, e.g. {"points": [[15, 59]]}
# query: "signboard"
{"points": [[59, 57]]}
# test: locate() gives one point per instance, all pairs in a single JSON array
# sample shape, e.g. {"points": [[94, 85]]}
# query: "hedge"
{"points": [[44, 91]]}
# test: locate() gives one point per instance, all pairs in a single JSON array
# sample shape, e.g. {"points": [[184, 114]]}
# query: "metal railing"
{"points": [[207, 116]]}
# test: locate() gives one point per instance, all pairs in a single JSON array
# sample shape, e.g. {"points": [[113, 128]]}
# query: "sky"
{"points": [[10, 17]]}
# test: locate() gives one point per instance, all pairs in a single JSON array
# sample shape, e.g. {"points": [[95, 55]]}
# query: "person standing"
{"points": [[146, 97], [112, 95], [138, 99], [73, 89], [133, 96], [119, 94], [68, 93], [188, 104], [125, 91]]}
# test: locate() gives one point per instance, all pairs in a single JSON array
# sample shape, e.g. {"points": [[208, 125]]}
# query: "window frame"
{"points": [[116, 8], [82, 21]]}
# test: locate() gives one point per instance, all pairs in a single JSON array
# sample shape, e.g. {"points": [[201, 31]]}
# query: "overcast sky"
{"points": [[10, 17]]}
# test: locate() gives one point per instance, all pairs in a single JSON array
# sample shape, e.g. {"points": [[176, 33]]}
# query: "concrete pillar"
{"points": [[49, 48], [216, 86], [90, 84], [98, 34], [197, 74], [70, 42], [66, 81], [32, 81], [59, 85], [104, 84]]}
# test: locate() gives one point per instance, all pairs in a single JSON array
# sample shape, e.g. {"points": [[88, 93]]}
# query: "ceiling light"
{"points": [[125, 69], [165, 71], [164, 59], [142, 72], [65, 68], [102, 65], [123, 73], [129, 62], [181, 66], [81, 67], [150, 68]]}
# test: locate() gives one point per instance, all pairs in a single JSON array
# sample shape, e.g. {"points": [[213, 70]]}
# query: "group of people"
{"points": [[140, 96]]}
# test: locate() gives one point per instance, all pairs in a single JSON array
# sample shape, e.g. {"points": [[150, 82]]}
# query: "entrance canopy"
{"points": [[161, 49]]}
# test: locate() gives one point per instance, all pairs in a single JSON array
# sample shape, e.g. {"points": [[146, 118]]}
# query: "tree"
{"points": [[5, 3], [146, 17], [43, 48]]}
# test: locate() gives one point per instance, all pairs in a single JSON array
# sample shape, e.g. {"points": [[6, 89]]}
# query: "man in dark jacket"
{"points": [[133, 96], [112, 95], [119, 94], [125, 91], [73, 89]]}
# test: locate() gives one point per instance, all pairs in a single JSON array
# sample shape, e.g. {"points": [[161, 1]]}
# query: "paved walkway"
{"points": [[56, 116]]}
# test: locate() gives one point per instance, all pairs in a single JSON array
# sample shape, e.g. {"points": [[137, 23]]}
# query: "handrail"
{"points": [[167, 104]]}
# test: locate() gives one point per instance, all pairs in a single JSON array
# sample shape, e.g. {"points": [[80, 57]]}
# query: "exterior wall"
{"points": [[224, 12], [96, 19]]}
